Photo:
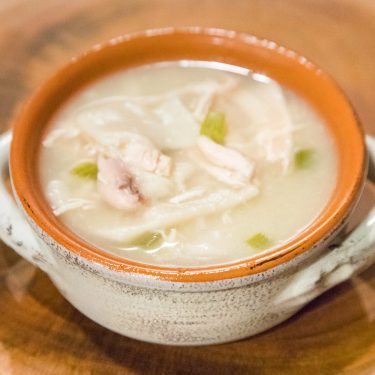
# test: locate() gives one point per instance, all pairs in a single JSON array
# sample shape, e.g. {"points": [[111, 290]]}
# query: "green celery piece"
{"points": [[85, 170], [259, 241], [304, 158], [214, 127], [148, 240]]}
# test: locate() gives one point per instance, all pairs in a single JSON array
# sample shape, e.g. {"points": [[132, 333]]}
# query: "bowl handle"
{"points": [[14, 228], [353, 255]]}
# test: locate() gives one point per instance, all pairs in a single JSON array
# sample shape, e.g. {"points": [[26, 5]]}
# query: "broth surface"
{"points": [[192, 214]]}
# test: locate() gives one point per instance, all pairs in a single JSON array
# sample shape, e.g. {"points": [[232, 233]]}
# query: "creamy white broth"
{"points": [[277, 201]]}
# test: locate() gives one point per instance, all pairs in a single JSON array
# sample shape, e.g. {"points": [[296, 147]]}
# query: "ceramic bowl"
{"points": [[188, 306]]}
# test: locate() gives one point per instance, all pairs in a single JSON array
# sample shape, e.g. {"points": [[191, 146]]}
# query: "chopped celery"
{"points": [[304, 158], [214, 127], [148, 240], [259, 241], [85, 170]]}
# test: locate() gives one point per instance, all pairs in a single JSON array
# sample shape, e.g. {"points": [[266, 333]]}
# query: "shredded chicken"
{"points": [[266, 108], [116, 185], [153, 187], [147, 157], [132, 169], [229, 166]]}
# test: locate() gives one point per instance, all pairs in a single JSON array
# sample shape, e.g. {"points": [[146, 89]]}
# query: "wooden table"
{"points": [[40, 333]]}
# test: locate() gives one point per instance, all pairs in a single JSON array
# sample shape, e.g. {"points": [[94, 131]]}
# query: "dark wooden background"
{"points": [[40, 333]]}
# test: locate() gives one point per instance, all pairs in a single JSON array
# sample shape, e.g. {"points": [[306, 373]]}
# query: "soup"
{"points": [[187, 164]]}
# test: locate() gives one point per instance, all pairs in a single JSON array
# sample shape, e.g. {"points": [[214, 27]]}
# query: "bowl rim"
{"points": [[30, 197]]}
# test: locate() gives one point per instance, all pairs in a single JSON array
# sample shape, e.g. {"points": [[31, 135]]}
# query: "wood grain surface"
{"points": [[41, 333]]}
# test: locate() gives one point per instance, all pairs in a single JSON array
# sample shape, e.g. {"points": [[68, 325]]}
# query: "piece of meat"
{"points": [[116, 185], [226, 176], [229, 166], [267, 111], [145, 156]]}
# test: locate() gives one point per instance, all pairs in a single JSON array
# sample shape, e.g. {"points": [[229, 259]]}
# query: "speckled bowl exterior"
{"points": [[167, 312], [188, 306]]}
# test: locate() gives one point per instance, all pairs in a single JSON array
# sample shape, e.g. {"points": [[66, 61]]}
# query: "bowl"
{"points": [[191, 305]]}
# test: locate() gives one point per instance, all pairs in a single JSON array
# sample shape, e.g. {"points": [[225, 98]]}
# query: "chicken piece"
{"points": [[266, 107], [145, 156], [230, 166], [227, 176], [152, 186], [164, 165], [116, 185]]}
